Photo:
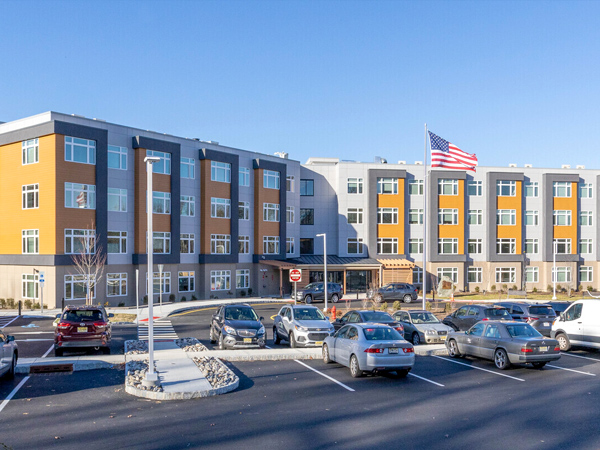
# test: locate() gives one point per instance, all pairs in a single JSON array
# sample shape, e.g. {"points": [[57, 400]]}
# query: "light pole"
{"points": [[554, 269], [160, 271], [324, 235], [151, 376]]}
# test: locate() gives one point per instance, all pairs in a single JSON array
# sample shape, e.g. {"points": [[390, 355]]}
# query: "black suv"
{"points": [[237, 326], [539, 316], [395, 291], [466, 316], [368, 316]]}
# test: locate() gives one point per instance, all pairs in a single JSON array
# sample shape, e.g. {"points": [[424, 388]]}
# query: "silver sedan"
{"points": [[369, 348], [9, 352], [422, 327]]}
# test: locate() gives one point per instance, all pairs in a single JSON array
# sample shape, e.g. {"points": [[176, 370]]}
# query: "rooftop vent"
{"points": [[380, 160], [529, 165], [565, 166], [419, 163], [77, 115], [401, 162], [580, 167], [282, 155], [512, 165], [99, 120]]}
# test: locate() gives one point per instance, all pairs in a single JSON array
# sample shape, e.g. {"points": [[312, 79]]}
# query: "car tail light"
{"points": [[399, 328], [484, 319], [557, 349], [63, 325], [374, 350], [100, 325], [408, 350], [530, 319], [526, 350]]}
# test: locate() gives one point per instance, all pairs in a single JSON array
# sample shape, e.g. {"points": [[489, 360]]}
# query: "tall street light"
{"points": [[151, 376], [554, 269], [324, 235]]}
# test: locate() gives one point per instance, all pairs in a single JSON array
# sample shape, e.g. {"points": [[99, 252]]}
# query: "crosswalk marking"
{"points": [[163, 330], [6, 320]]}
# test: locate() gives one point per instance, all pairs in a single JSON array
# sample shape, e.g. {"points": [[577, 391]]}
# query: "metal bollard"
{"points": [[63, 304], [20, 303]]}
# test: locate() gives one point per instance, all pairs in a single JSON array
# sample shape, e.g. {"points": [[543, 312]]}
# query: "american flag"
{"points": [[444, 154]]}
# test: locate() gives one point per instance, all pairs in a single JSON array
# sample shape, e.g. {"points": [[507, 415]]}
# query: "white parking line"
{"points": [[572, 370], [578, 356], [8, 323], [326, 376], [425, 379], [13, 392], [478, 368], [48, 351], [33, 340]]}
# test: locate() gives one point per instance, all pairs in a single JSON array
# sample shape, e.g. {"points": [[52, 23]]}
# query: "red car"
{"points": [[82, 327]]}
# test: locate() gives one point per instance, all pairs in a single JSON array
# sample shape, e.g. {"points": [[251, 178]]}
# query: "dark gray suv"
{"points": [[539, 316], [395, 291], [466, 316], [316, 291]]}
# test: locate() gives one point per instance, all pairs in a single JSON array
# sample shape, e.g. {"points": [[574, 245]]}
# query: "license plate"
{"points": [[319, 343], [392, 350], [546, 324], [443, 338], [82, 329], [543, 349], [247, 340]]}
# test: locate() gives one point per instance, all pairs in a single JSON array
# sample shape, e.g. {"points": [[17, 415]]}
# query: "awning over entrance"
{"points": [[279, 264], [396, 263]]}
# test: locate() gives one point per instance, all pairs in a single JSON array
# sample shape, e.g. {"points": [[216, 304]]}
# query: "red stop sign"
{"points": [[295, 275]]}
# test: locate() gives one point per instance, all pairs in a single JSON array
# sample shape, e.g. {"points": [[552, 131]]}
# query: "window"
{"points": [[80, 150], [475, 217], [244, 210], [532, 189], [31, 242], [270, 179], [506, 188], [506, 217], [80, 196], [188, 168], [355, 215], [562, 275], [31, 151], [448, 246], [289, 183], [117, 199], [307, 188], [31, 196], [117, 157], [244, 245], [387, 185], [355, 246], [270, 212], [562, 217], [220, 244], [415, 216], [307, 216], [586, 190], [475, 188], [186, 243], [450, 272], [220, 280], [355, 185], [531, 218], [31, 286], [161, 242], [307, 246], [76, 286], [220, 171], [186, 281], [242, 279], [475, 246], [220, 208], [116, 242], [187, 205], [506, 246], [532, 246], [271, 245], [290, 246], [163, 165], [447, 187], [290, 214], [586, 274], [387, 246], [116, 284], [562, 246], [80, 241], [585, 218], [532, 274], [506, 275], [585, 246], [561, 189], [387, 216], [160, 284], [244, 177], [474, 275], [161, 202], [447, 216], [415, 246], [417, 276], [415, 187]]}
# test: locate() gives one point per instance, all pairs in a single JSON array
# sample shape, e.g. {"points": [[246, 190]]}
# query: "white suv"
{"points": [[301, 325]]}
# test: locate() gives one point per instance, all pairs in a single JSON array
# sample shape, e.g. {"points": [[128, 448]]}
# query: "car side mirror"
{"points": [[562, 317], [58, 316], [261, 318], [10, 338], [111, 315]]}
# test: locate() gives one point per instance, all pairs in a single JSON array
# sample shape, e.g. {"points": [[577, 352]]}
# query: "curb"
{"points": [[212, 305], [77, 366]]}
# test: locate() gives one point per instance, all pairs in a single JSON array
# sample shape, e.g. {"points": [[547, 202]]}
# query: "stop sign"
{"points": [[295, 275]]}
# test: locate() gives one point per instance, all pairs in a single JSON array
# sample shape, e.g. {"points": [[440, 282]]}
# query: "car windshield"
{"points": [[310, 287], [377, 316], [240, 314], [542, 310], [381, 334], [522, 330], [308, 314], [501, 313], [423, 317], [82, 315]]}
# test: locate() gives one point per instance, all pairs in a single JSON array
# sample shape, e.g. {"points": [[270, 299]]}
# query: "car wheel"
{"points": [[13, 367], [539, 365], [292, 340], [221, 342], [501, 359], [401, 373], [416, 340], [335, 298], [407, 298], [58, 352], [276, 339], [326, 358], [563, 342], [211, 335], [379, 298], [354, 367], [453, 349], [308, 299]]}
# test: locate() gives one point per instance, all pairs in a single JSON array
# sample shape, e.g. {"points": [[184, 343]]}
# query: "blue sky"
{"points": [[512, 81]]}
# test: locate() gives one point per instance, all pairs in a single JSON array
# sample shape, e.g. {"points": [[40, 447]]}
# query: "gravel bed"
{"points": [[217, 373], [136, 372], [190, 344], [136, 347]]}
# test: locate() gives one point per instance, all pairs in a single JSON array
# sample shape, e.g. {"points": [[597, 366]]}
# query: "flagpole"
{"points": [[424, 272]]}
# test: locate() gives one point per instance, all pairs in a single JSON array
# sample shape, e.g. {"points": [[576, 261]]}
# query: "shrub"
{"points": [[11, 303], [558, 287], [534, 289], [580, 288], [183, 299], [249, 292], [194, 297], [106, 304], [121, 304], [36, 306], [242, 293], [396, 305], [514, 287], [2, 303], [493, 288], [549, 288], [28, 304], [172, 297], [145, 299], [384, 306], [428, 305], [505, 287], [477, 289], [589, 288]]}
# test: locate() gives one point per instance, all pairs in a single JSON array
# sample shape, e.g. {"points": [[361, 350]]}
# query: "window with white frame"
{"points": [[290, 215], [532, 218], [244, 210], [505, 188], [243, 245], [586, 274], [387, 246], [355, 185], [163, 165], [474, 275], [561, 217], [76, 286], [355, 246], [220, 280], [220, 208], [80, 241], [585, 246], [448, 246], [30, 286], [417, 275], [271, 212], [506, 217], [506, 274], [244, 177], [506, 246], [271, 245], [561, 274], [415, 216], [475, 188], [585, 218], [187, 204], [117, 157], [450, 272], [532, 274], [116, 284], [387, 216], [220, 244], [307, 216], [586, 190], [31, 151], [415, 246], [307, 188], [561, 189], [387, 185], [188, 168], [562, 246], [186, 281], [161, 202], [532, 189], [290, 245], [220, 171], [80, 196], [289, 183], [116, 242], [161, 242], [475, 217], [80, 150], [158, 283], [31, 196], [186, 243], [447, 216], [31, 242], [532, 246], [117, 199], [475, 246], [355, 215], [415, 187], [270, 179], [447, 187], [242, 278]]}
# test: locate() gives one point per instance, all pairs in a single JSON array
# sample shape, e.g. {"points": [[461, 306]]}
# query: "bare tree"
{"points": [[89, 263]]}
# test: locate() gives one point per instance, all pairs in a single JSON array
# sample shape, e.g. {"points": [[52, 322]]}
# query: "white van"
{"points": [[578, 325]]}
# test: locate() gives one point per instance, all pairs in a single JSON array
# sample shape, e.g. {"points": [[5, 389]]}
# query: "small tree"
{"points": [[89, 263]]}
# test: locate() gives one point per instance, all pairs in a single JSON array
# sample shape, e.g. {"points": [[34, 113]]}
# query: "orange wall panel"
{"points": [[208, 190], [263, 195], [453, 202], [512, 231], [393, 201], [568, 231]]}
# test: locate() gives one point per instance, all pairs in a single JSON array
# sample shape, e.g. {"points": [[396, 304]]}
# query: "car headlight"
{"points": [[261, 330], [430, 332], [299, 328], [229, 330]]}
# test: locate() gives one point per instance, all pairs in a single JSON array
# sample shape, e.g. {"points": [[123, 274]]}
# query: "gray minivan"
{"points": [[539, 316]]}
